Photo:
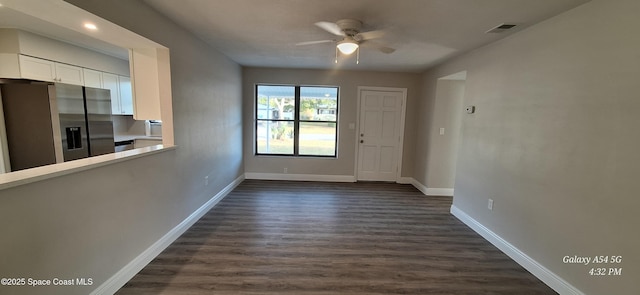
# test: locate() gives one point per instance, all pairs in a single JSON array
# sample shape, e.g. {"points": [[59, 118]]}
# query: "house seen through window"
{"points": [[296, 120]]}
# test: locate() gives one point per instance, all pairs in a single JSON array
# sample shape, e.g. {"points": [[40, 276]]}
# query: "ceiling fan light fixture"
{"points": [[347, 46]]}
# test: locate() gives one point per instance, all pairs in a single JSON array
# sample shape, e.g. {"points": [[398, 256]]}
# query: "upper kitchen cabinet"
{"points": [[36, 68], [126, 95], [110, 81], [121, 96], [46, 70], [92, 78], [150, 92], [69, 74]]}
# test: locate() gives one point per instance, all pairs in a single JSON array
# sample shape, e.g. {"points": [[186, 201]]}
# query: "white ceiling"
{"points": [[16, 19], [10, 17], [425, 32]]}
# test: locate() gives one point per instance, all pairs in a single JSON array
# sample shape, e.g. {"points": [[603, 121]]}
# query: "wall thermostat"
{"points": [[470, 109]]}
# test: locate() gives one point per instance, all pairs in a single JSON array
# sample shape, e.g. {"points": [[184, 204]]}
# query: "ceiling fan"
{"points": [[351, 37]]}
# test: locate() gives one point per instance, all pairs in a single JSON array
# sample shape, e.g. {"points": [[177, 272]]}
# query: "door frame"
{"points": [[402, 123]]}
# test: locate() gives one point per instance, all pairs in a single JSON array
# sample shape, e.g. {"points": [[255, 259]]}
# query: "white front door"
{"points": [[380, 134]]}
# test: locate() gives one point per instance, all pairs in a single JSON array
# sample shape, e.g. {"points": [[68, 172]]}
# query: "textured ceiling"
{"points": [[425, 32]]}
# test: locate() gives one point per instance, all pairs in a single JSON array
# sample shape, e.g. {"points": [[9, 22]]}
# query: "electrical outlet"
{"points": [[490, 204], [206, 180], [286, 170], [441, 131]]}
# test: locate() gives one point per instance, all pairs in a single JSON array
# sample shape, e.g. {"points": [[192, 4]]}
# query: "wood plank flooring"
{"points": [[276, 237]]}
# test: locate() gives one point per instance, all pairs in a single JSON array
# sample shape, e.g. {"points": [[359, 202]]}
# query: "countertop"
{"points": [[118, 138]]}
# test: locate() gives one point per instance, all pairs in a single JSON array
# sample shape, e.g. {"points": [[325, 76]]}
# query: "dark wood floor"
{"points": [[274, 237]]}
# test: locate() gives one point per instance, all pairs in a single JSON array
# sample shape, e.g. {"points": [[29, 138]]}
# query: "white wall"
{"points": [[555, 141], [47, 48], [93, 223], [348, 81], [23, 42], [9, 41]]}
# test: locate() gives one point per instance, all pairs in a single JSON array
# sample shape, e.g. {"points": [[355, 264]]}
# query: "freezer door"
{"points": [[99, 121], [70, 101]]}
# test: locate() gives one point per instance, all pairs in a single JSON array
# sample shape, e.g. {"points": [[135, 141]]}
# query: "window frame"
{"points": [[296, 122]]}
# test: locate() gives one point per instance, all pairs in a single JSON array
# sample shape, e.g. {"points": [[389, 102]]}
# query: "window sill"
{"points": [[295, 157], [27, 176]]}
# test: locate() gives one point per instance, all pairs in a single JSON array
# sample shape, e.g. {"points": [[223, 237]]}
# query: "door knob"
{"points": [[361, 134], [361, 141]]}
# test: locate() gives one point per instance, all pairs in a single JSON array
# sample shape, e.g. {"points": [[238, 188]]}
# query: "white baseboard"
{"points": [[433, 191], [300, 177], [421, 187], [426, 190], [125, 274], [548, 277], [405, 180]]}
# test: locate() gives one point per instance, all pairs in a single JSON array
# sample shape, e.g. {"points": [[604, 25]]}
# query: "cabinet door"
{"points": [[37, 69], [92, 78], [69, 74], [126, 97], [110, 82]]}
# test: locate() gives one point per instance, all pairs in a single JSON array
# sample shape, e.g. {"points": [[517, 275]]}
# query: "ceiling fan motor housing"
{"points": [[350, 27]]}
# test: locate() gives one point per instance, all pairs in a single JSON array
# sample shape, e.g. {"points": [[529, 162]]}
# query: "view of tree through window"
{"points": [[296, 120]]}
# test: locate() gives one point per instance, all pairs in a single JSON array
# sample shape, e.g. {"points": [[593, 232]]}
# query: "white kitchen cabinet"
{"points": [[69, 74], [37, 69], [151, 81], [121, 97], [92, 78], [126, 96], [110, 81], [46, 70]]}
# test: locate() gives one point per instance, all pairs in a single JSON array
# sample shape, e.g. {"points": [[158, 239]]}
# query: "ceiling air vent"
{"points": [[501, 28]]}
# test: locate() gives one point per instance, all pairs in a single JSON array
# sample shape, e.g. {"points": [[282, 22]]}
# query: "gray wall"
{"points": [[93, 223], [440, 150], [555, 140], [348, 81]]}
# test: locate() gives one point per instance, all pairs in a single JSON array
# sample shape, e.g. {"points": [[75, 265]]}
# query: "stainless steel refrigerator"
{"points": [[85, 121], [48, 124]]}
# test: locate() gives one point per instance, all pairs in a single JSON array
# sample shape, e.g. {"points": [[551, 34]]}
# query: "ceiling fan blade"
{"points": [[371, 35], [331, 28], [314, 42], [380, 47], [387, 50]]}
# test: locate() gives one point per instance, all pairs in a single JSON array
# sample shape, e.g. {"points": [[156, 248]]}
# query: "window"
{"points": [[296, 120]]}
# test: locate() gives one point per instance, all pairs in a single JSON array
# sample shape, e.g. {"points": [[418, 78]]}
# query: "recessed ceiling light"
{"points": [[90, 26]]}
